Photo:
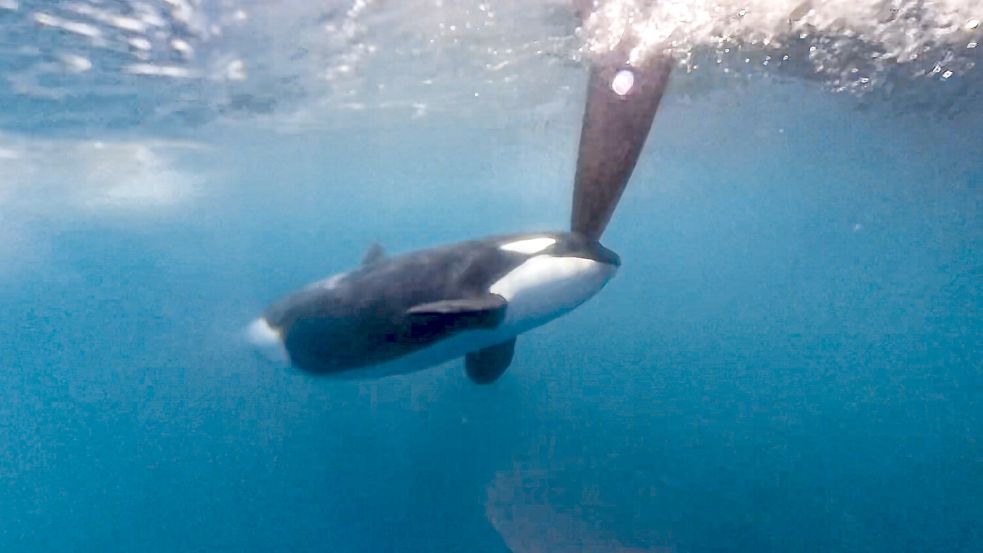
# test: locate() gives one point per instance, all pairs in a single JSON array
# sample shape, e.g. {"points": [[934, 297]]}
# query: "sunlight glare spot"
{"points": [[623, 82]]}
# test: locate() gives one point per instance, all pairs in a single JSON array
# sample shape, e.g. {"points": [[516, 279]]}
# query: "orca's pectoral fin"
{"points": [[373, 254], [486, 303], [487, 365], [460, 314]]}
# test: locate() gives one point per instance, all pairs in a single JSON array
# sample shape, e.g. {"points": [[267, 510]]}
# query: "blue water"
{"points": [[791, 358]]}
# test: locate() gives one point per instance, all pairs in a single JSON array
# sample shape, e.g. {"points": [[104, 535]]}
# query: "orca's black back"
{"points": [[361, 319]]}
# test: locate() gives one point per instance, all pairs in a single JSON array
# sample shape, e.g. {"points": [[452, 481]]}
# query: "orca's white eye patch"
{"points": [[529, 245]]}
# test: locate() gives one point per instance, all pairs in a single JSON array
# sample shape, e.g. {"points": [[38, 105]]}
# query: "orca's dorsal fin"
{"points": [[487, 365], [621, 102], [374, 254], [459, 314]]}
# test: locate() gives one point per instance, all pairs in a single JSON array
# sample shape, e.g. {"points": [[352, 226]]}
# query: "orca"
{"points": [[403, 313], [398, 314]]}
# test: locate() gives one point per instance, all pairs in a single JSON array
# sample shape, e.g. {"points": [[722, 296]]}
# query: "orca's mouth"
{"points": [[574, 244], [607, 256], [597, 253]]}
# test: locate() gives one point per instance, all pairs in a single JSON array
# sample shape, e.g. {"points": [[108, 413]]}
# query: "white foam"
{"points": [[411, 57], [76, 64], [846, 40], [98, 177], [160, 70], [76, 27], [132, 176]]}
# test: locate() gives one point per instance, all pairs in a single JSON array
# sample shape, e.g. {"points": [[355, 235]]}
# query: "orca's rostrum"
{"points": [[398, 314]]}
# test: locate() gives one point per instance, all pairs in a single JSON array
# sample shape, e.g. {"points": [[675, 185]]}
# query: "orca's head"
{"points": [[559, 272], [267, 341], [578, 245], [566, 244]]}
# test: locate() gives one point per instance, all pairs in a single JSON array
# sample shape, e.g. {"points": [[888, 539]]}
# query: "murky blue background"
{"points": [[789, 359]]}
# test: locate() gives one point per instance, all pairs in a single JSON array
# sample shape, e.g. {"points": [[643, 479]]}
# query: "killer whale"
{"points": [[398, 314], [393, 315]]}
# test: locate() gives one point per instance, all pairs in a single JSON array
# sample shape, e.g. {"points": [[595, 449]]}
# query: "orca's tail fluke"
{"points": [[621, 102]]}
